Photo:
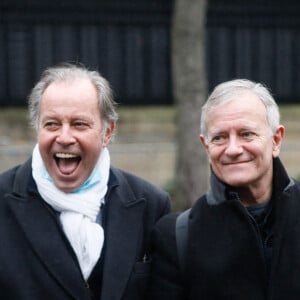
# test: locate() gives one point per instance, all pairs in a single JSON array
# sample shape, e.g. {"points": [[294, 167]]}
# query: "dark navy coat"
{"points": [[225, 258], [37, 261]]}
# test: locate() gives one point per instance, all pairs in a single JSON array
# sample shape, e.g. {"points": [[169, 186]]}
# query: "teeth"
{"points": [[65, 155]]}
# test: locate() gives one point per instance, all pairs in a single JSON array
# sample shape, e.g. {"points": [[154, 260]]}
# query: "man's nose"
{"points": [[234, 146], [65, 136]]}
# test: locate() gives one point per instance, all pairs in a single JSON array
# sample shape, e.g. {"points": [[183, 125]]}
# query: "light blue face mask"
{"points": [[94, 179]]}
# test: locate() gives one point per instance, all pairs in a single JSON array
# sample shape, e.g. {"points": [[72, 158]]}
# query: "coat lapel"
{"points": [[48, 242], [122, 233]]}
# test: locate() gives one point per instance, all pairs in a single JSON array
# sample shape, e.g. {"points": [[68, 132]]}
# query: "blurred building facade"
{"points": [[128, 41]]}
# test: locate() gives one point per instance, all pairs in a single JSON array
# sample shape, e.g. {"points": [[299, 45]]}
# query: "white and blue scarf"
{"points": [[79, 209]]}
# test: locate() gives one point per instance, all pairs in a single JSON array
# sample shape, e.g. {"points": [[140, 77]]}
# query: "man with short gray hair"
{"points": [[241, 239]]}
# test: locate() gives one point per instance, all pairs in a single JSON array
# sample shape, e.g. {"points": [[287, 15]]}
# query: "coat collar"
{"points": [[220, 191], [123, 230], [44, 234]]}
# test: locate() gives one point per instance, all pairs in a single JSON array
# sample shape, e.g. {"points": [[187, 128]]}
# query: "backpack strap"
{"points": [[181, 231]]}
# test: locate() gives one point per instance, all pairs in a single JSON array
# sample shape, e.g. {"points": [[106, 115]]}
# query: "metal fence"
{"points": [[258, 40], [129, 42]]}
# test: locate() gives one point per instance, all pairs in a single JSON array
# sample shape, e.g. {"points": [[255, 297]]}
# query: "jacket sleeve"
{"points": [[166, 279]]}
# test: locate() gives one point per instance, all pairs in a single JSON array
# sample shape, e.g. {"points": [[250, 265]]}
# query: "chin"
{"points": [[66, 187], [237, 182]]}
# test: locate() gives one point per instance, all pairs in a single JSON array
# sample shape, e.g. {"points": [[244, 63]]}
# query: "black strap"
{"points": [[181, 237]]}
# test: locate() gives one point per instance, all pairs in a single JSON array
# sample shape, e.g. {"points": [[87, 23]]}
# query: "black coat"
{"points": [[37, 261], [225, 259]]}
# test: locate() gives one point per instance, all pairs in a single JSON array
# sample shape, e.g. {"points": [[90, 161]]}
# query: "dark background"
{"points": [[129, 43]]}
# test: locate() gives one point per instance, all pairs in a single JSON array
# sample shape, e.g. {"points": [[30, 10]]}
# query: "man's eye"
{"points": [[248, 134], [218, 139], [50, 125], [80, 125]]}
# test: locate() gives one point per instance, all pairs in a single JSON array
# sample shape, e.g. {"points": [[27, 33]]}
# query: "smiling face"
{"points": [[240, 144], [70, 132]]}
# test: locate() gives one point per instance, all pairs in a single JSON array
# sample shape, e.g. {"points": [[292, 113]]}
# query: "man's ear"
{"points": [[203, 142], [109, 133], [277, 140]]}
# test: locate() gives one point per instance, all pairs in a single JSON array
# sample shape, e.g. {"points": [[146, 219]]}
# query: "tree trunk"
{"points": [[190, 91]]}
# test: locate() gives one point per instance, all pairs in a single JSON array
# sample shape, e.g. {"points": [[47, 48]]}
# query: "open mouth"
{"points": [[67, 163]]}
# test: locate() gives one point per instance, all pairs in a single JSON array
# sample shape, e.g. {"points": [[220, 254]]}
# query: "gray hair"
{"points": [[225, 91], [65, 72]]}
